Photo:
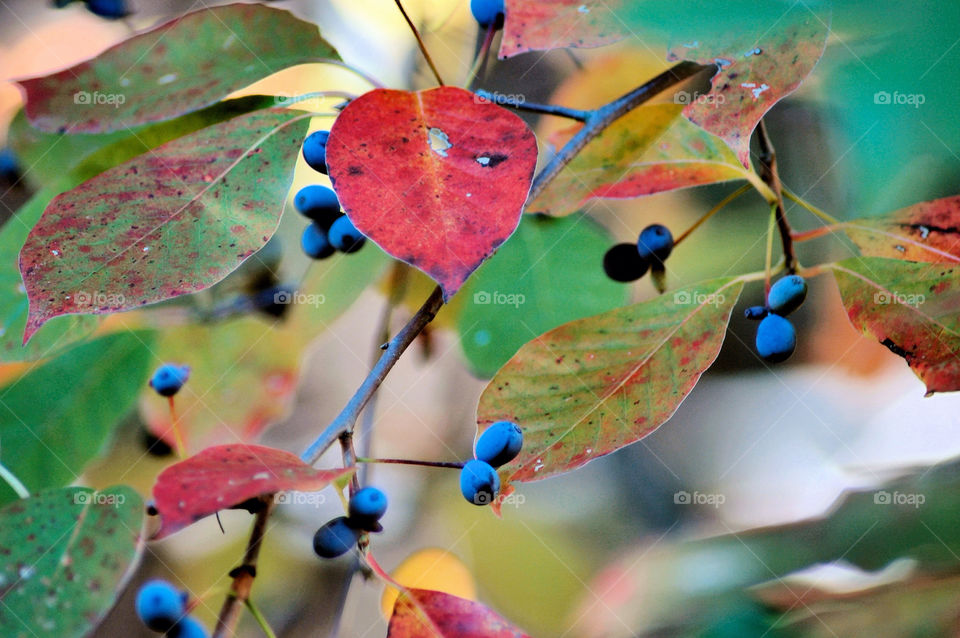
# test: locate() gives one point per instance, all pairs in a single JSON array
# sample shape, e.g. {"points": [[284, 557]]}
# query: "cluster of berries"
{"points": [[330, 230], [163, 609], [776, 337], [499, 444], [337, 536], [629, 262]]}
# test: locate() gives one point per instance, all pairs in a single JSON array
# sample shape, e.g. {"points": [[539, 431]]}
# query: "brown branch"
{"points": [[420, 43], [771, 177]]}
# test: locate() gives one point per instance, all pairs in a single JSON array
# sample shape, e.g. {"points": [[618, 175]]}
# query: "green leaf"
{"points": [[58, 416], [65, 555], [178, 67], [595, 385], [165, 224], [911, 308], [548, 273]]}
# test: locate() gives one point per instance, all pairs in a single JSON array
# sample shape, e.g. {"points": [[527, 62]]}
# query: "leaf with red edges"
{"points": [[224, 476], [649, 150], [422, 613], [595, 385], [758, 67], [911, 308], [928, 231], [178, 67], [540, 25], [437, 178], [167, 223]]}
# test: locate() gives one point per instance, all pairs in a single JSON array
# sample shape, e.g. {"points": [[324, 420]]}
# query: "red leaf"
{"points": [[757, 69], [226, 475], [928, 231], [421, 613], [539, 25], [437, 178]]}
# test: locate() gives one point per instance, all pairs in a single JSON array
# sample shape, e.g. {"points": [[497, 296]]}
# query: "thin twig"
{"points": [[423, 47], [768, 260], [480, 62], [604, 116], [243, 576], [830, 219], [259, 617], [395, 347], [15, 484], [522, 105], [770, 176], [457, 465], [713, 211]]}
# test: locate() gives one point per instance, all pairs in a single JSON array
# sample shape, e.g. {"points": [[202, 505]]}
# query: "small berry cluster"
{"points": [[488, 13], [499, 444], [337, 536], [163, 609], [629, 262], [776, 337], [330, 230], [111, 9]]}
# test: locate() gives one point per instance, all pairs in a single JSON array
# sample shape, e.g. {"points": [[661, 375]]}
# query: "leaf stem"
{"points": [[814, 233], [15, 484], [457, 465], [599, 119], [481, 60], [395, 347], [830, 219], [175, 426], [713, 211], [546, 109], [771, 177], [420, 43], [258, 616], [769, 258]]}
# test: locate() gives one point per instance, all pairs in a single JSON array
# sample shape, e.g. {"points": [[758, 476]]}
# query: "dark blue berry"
{"points": [[488, 12], [345, 237], [367, 507], [274, 301], [9, 168], [479, 482], [315, 242], [159, 605], [500, 443], [187, 628], [655, 243], [755, 313], [623, 263], [786, 295], [315, 150], [335, 538], [154, 445], [776, 338], [169, 378], [318, 203], [112, 9]]}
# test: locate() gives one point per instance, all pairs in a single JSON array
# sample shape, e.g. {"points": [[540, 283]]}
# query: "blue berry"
{"points": [[315, 242], [755, 313], [488, 12], [335, 538], [479, 482], [367, 507], [623, 263], [169, 378], [315, 151], [111, 9], [9, 168], [318, 203], [655, 243], [786, 295], [187, 628], [345, 237], [159, 605], [500, 443], [776, 338]]}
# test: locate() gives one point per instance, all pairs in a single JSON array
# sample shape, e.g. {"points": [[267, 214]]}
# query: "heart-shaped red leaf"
{"points": [[227, 475], [422, 613], [437, 178], [540, 25], [928, 231]]}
